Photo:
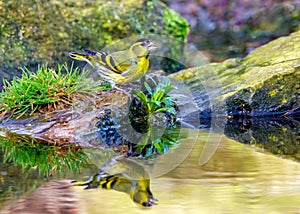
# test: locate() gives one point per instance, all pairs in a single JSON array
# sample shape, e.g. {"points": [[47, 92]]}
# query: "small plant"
{"points": [[151, 144], [145, 107], [152, 114], [46, 89], [158, 99]]}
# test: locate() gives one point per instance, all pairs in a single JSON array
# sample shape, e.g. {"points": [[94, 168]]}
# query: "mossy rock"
{"points": [[34, 32], [264, 83]]}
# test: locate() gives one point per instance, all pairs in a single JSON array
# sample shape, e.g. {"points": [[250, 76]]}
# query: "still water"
{"points": [[236, 178]]}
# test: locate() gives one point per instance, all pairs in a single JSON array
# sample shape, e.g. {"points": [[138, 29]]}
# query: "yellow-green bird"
{"points": [[120, 67], [123, 175]]}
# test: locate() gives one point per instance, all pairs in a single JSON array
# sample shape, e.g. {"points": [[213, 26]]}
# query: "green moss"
{"points": [[231, 63], [280, 50], [45, 88], [279, 93], [175, 25], [272, 93]]}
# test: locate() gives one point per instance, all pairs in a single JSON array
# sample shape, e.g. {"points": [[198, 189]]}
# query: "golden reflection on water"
{"points": [[237, 179]]}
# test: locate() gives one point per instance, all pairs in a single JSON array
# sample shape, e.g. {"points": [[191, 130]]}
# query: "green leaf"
{"points": [[148, 88], [142, 144], [159, 146], [149, 151], [170, 110], [158, 95]]}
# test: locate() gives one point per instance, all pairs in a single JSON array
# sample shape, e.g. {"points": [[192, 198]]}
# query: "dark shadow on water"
{"points": [[280, 136]]}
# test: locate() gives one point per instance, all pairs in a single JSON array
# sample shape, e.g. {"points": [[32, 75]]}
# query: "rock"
{"points": [[265, 83]]}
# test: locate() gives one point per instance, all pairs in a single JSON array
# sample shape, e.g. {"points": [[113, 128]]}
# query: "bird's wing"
{"points": [[131, 70], [120, 61], [124, 168], [106, 60], [123, 59]]}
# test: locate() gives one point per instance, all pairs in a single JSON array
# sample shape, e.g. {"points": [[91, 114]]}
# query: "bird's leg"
{"points": [[130, 150], [114, 86], [123, 91]]}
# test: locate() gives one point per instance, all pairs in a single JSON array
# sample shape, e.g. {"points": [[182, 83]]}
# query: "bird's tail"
{"points": [[79, 183], [91, 183], [80, 56], [107, 182]]}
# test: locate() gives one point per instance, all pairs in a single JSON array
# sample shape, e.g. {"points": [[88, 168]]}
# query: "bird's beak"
{"points": [[152, 46], [153, 201]]}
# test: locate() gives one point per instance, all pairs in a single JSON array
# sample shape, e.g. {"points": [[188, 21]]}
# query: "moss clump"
{"points": [[46, 89]]}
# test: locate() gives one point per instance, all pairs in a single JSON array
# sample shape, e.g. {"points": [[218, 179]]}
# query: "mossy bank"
{"points": [[265, 83]]}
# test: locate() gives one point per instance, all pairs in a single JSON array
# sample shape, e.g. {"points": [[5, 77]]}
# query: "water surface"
{"points": [[236, 179]]}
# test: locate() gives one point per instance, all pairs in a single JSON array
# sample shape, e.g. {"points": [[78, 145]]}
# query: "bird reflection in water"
{"points": [[124, 175]]}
